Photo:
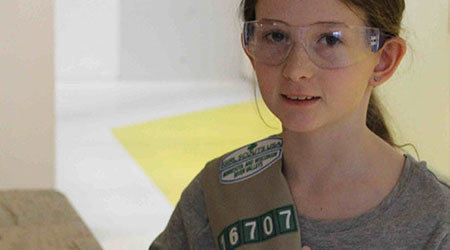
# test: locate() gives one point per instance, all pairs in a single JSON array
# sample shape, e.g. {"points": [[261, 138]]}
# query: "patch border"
{"points": [[222, 168]]}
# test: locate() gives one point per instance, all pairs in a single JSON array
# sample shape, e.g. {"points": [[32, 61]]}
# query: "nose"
{"points": [[298, 65]]}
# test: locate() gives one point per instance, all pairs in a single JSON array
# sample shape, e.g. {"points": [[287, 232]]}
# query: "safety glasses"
{"points": [[328, 45]]}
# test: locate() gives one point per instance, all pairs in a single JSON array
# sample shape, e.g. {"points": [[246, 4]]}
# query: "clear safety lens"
{"points": [[328, 45]]}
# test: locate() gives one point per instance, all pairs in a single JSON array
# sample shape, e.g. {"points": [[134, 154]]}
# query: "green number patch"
{"points": [[257, 229]]}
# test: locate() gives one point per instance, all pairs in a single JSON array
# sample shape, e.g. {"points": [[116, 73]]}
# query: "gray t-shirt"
{"points": [[415, 215]]}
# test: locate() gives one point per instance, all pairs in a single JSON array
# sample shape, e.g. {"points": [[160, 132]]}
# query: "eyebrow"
{"points": [[320, 22]]}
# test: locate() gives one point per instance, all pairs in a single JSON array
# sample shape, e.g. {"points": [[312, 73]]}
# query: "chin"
{"points": [[299, 125]]}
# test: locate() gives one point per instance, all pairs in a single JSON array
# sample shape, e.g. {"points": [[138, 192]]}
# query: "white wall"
{"points": [[87, 39], [178, 40], [147, 40], [26, 94]]}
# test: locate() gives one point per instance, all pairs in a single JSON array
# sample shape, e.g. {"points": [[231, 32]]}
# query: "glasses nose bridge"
{"points": [[299, 47], [298, 62], [300, 35]]}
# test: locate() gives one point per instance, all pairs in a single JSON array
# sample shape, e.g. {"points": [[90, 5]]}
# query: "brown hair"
{"points": [[383, 14]]}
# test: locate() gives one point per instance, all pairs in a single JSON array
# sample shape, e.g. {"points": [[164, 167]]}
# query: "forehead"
{"points": [[305, 12]]}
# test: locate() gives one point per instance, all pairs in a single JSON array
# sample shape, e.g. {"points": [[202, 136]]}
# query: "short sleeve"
{"points": [[188, 226], [174, 236]]}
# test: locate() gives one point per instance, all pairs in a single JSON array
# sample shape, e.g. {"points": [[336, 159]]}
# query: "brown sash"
{"points": [[248, 200]]}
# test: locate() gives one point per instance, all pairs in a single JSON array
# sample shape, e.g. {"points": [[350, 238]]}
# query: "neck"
{"points": [[324, 157]]}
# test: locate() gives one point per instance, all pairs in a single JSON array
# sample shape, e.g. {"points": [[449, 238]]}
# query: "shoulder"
{"points": [[194, 191], [431, 193], [191, 212], [423, 178], [188, 226], [193, 195]]}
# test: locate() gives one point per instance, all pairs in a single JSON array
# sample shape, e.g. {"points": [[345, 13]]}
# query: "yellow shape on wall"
{"points": [[172, 151]]}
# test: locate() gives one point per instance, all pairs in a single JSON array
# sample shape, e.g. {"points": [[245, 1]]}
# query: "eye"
{"points": [[330, 39], [276, 36]]}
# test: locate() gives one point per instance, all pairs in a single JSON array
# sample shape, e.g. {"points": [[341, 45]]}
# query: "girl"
{"points": [[333, 179]]}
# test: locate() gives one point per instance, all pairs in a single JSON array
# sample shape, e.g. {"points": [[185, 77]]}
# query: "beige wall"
{"points": [[418, 96], [26, 94]]}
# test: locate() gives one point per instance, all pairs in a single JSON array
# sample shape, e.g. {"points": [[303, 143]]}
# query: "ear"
{"points": [[245, 51], [390, 57]]}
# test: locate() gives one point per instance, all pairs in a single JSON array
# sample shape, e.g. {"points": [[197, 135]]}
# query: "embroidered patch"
{"points": [[260, 228], [250, 160]]}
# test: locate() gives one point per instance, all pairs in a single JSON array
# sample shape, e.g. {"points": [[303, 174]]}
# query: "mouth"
{"points": [[300, 100]]}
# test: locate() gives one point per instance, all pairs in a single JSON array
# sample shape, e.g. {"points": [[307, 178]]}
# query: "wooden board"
{"points": [[41, 220]]}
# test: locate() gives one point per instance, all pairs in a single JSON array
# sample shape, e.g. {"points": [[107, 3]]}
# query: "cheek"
{"points": [[345, 87], [268, 79]]}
